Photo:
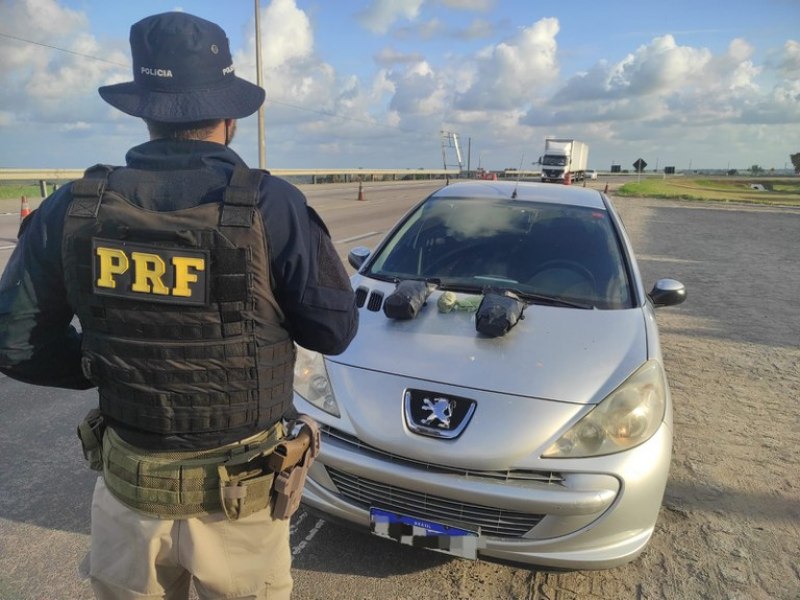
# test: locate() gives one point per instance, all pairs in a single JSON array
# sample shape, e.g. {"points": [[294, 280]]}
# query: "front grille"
{"points": [[329, 434], [488, 520], [491, 521]]}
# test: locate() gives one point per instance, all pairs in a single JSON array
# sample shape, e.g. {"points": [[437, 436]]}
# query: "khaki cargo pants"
{"points": [[134, 556]]}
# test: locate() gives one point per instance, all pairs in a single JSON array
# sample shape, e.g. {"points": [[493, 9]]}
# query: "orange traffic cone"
{"points": [[568, 179], [24, 209], [360, 192]]}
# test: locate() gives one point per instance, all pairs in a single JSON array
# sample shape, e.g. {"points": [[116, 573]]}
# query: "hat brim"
{"points": [[237, 100]]}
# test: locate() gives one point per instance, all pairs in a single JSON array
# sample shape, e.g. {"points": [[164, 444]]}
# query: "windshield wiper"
{"points": [[381, 277], [552, 300], [527, 296], [395, 279]]}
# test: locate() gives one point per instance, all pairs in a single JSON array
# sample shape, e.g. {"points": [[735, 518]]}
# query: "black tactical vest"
{"points": [[181, 332]]}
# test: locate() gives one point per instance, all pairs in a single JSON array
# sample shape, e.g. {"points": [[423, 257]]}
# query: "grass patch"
{"points": [[784, 191], [17, 191]]}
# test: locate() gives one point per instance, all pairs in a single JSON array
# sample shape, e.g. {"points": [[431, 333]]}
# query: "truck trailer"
{"points": [[564, 160]]}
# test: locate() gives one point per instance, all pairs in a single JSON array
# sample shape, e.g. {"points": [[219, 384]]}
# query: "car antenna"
{"points": [[519, 176]]}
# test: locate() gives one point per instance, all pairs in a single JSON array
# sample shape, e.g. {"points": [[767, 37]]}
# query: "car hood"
{"points": [[554, 353]]}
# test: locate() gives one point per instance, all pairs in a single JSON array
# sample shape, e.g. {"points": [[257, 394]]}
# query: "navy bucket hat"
{"points": [[182, 72]]}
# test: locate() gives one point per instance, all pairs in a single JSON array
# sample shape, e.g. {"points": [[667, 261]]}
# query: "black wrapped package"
{"points": [[407, 299], [498, 312]]}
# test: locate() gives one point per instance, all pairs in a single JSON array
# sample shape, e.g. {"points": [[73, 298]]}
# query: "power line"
{"points": [[19, 39]]}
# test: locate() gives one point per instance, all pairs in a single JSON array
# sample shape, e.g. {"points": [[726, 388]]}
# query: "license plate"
{"points": [[425, 534]]}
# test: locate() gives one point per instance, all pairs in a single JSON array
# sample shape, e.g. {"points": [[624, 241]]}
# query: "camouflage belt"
{"points": [[234, 479]]}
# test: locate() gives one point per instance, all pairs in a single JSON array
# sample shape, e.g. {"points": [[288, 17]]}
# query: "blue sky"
{"points": [[373, 83]]}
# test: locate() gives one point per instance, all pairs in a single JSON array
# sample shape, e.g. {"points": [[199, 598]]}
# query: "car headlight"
{"points": [[627, 417], [312, 383]]}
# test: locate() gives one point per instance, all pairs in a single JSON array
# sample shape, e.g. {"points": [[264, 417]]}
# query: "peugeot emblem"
{"points": [[437, 415]]}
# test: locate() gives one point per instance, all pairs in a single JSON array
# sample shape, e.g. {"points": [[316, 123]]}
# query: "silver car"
{"points": [[512, 404]]}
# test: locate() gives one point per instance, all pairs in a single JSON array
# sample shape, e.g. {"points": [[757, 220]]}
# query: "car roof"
{"points": [[526, 190]]}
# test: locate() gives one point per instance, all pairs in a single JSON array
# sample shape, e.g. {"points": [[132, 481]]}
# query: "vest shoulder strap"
{"points": [[241, 197], [87, 192]]}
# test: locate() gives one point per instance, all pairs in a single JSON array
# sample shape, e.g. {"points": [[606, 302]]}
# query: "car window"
{"points": [[536, 248]]}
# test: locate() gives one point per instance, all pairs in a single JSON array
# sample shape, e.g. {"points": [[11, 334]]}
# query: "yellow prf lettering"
{"points": [[148, 271], [112, 262], [183, 277]]}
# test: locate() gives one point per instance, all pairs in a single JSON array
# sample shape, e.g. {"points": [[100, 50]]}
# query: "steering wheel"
{"points": [[565, 265]]}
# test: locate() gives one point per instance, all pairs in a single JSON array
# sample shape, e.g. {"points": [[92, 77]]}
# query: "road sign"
{"points": [[639, 165]]}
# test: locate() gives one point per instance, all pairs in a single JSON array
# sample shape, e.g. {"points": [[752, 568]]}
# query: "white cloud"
{"points": [[664, 84], [59, 80], [293, 74], [477, 29], [790, 62], [423, 30], [286, 34], [476, 5], [379, 16], [76, 126], [659, 98], [418, 92], [389, 56], [780, 107], [510, 74]]}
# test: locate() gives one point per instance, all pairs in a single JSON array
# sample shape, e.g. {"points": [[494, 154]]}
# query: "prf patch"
{"points": [[150, 273]]}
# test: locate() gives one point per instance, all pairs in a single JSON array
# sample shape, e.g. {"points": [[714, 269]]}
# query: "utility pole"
{"points": [[262, 144], [469, 155]]}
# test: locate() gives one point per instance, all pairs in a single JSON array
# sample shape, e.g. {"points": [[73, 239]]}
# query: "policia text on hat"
{"points": [[192, 277]]}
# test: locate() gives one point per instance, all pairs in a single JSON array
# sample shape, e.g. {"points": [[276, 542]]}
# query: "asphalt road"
{"points": [[45, 489]]}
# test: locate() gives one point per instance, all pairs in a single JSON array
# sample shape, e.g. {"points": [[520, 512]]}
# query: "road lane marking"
{"points": [[301, 546], [295, 522], [654, 258], [358, 237]]}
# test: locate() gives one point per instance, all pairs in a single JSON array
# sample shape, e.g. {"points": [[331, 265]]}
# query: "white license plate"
{"points": [[425, 534]]}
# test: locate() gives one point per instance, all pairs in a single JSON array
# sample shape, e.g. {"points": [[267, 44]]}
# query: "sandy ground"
{"points": [[730, 526]]}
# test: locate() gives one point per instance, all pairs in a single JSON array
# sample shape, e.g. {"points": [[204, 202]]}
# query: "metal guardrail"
{"points": [[60, 175], [49, 179], [40, 174]]}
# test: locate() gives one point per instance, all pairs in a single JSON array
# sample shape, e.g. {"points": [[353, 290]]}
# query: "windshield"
{"points": [[554, 160], [537, 249]]}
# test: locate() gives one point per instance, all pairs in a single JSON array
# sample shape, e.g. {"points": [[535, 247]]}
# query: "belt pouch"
{"points": [[90, 433], [244, 488]]}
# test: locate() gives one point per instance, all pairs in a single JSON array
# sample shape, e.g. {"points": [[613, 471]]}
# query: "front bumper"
{"points": [[590, 514]]}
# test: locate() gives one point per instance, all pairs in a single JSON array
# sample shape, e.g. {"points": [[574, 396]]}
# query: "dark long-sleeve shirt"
{"points": [[40, 345]]}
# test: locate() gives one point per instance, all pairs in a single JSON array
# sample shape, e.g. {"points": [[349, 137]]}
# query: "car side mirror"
{"points": [[357, 256], [667, 292]]}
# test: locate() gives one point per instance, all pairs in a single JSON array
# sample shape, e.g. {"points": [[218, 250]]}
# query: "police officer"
{"points": [[192, 277]]}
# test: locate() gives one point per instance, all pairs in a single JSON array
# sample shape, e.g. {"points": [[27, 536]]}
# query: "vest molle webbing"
{"points": [[181, 331]]}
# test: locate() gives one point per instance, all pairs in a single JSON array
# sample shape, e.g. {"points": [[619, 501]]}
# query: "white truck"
{"points": [[564, 160]]}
